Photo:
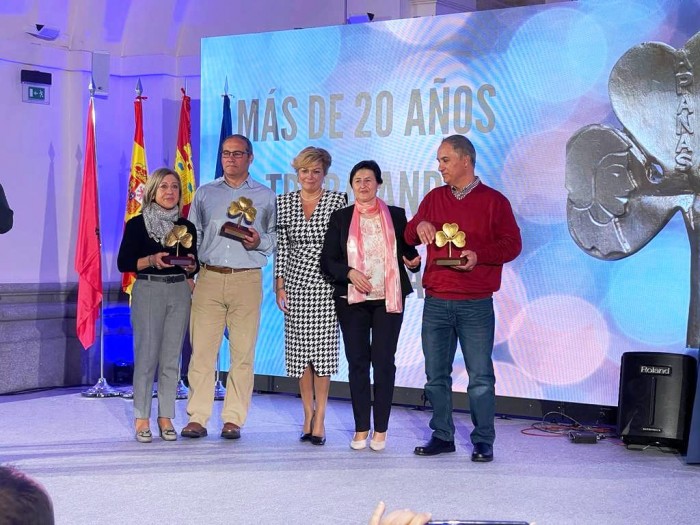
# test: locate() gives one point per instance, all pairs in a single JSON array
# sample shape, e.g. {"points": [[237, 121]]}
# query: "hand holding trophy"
{"points": [[178, 236], [243, 209], [450, 235]]}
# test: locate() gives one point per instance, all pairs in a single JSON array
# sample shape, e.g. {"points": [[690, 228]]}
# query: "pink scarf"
{"points": [[356, 255]]}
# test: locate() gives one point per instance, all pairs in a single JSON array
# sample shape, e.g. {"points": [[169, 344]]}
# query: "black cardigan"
{"points": [[137, 244], [334, 255]]}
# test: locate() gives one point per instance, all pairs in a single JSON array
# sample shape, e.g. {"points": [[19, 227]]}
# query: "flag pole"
{"points": [[128, 393], [219, 389], [181, 392], [102, 387]]}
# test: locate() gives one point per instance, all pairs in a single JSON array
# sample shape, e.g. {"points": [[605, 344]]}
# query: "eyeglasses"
{"points": [[235, 154]]}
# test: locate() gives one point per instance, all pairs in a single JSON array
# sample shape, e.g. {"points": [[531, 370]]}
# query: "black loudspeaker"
{"points": [[122, 373], [656, 398]]}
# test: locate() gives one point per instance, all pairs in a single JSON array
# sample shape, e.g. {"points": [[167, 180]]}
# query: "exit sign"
{"points": [[36, 94]]}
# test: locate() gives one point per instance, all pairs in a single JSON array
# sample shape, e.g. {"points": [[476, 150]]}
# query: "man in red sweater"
{"points": [[458, 299]]}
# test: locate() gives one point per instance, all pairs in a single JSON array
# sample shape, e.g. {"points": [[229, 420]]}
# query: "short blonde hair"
{"points": [[310, 155], [154, 180]]}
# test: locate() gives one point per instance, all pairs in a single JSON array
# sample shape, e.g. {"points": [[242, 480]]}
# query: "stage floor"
{"points": [[83, 451]]}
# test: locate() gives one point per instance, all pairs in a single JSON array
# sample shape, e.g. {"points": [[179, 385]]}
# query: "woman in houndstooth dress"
{"points": [[302, 293]]}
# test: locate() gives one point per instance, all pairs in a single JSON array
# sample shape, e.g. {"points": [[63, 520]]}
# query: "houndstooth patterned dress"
{"points": [[311, 326]]}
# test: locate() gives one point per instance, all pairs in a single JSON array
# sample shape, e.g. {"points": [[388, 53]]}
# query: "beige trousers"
{"points": [[223, 300]]}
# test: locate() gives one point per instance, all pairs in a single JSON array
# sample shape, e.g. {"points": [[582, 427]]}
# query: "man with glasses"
{"points": [[228, 292]]}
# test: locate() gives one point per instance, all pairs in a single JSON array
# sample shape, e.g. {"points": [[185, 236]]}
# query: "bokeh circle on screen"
{"points": [[559, 266], [417, 32], [513, 382], [648, 292], [301, 64], [559, 339], [533, 177], [553, 69], [410, 351], [507, 302]]}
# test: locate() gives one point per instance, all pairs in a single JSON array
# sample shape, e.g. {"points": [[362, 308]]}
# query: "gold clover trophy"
{"points": [[243, 209], [450, 235], [178, 236]]}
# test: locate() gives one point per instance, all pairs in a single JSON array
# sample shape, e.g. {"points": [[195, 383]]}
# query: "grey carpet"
{"points": [[82, 450]]}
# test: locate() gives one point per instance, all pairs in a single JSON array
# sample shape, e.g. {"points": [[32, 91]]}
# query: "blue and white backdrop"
{"points": [[519, 83]]}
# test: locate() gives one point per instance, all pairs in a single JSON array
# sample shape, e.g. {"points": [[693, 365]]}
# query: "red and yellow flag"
{"points": [[183, 156], [137, 180], [88, 260]]}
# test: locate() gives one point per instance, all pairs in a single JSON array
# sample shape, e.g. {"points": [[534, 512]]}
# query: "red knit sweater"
{"points": [[486, 217]]}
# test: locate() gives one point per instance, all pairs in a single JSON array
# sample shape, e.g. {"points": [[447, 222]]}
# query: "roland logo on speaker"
{"points": [[655, 370], [651, 429]]}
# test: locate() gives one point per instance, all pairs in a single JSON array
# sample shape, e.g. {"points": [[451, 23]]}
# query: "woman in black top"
{"points": [[365, 256], [160, 298]]}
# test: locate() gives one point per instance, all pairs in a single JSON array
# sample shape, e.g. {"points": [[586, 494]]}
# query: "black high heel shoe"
{"points": [[316, 440], [306, 436]]}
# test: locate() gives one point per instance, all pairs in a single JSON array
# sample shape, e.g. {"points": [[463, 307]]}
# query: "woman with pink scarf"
{"points": [[365, 257]]}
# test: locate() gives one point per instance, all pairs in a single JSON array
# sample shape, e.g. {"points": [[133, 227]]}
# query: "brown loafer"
{"points": [[231, 431], [193, 430]]}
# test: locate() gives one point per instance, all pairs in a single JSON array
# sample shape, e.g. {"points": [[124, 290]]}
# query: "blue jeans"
{"points": [[472, 323]]}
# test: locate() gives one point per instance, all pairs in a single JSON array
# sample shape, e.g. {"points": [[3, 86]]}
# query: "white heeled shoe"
{"points": [[377, 445], [359, 444]]}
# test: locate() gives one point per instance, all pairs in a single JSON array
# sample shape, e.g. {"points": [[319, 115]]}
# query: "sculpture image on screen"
{"points": [[624, 186]]}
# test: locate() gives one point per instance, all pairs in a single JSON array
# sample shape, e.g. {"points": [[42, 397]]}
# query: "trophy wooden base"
{"points": [[451, 261], [234, 231], [178, 260]]}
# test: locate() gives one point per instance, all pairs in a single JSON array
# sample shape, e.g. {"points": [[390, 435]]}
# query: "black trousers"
{"points": [[370, 335]]}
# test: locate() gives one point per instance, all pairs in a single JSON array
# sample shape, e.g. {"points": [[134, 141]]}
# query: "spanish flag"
{"points": [[137, 178], [183, 156]]}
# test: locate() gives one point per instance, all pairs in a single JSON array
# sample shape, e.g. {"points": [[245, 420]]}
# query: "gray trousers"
{"points": [[160, 313]]}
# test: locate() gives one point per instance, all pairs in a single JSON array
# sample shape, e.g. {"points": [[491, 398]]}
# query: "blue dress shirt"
{"points": [[208, 213]]}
